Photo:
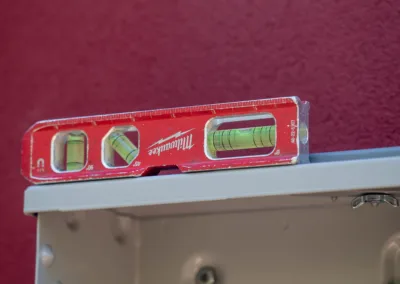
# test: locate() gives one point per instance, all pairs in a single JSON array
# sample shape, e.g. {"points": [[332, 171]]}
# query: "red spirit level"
{"points": [[199, 138]]}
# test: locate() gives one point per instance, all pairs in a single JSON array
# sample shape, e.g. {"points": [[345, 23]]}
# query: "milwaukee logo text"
{"points": [[179, 141]]}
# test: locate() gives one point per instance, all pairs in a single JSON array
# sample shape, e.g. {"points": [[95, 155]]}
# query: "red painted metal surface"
{"points": [[158, 127]]}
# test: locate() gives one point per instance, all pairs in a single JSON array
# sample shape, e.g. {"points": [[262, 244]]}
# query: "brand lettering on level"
{"points": [[179, 141]]}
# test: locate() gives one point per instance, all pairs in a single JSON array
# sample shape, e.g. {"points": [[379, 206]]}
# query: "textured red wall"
{"points": [[67, 58]]}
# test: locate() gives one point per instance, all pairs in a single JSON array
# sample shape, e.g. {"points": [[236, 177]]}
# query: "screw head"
{"points": [[206, 275], [46, 256]]}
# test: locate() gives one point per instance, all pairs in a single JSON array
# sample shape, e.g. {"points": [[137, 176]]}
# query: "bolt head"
{"points": [[206, 275], [46, 256]]}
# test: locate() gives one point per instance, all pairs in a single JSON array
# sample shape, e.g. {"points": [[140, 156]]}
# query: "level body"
{"points": [[189, 138]]}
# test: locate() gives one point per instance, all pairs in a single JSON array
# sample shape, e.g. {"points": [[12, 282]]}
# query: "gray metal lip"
{"points": [[350, 155], [376, 169]]}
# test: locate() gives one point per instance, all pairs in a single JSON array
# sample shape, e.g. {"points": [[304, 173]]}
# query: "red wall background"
{"points": [[68, 58]]}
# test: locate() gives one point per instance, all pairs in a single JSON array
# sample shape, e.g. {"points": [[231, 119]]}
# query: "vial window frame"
{"points": [[54, 146], [213, 123], [124, 129]]}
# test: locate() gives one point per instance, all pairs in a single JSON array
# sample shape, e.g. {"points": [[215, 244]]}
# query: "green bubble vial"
{"points": [[241, 138], [123, 146], [75, 152]]}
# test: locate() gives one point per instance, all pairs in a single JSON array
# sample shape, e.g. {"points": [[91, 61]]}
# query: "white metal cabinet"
{"points": [[287, 224]]}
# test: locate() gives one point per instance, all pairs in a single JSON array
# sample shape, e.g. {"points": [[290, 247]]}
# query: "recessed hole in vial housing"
{"points": [[69, 151], [120, 146], [240, 136]]}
